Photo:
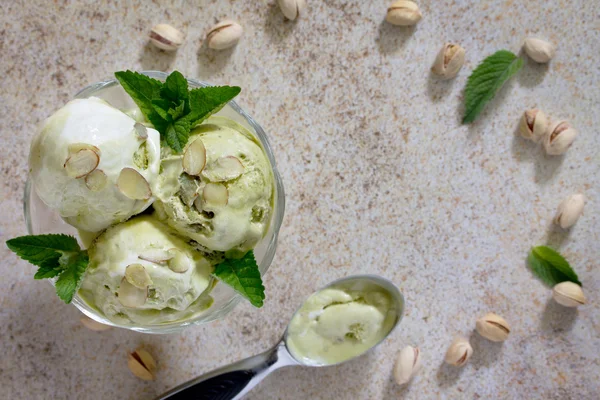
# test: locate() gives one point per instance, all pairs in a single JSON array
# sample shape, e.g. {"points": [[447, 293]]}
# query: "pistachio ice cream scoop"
{"points": [[219, 191], [337, 323], [94, 164], [141, 272]]}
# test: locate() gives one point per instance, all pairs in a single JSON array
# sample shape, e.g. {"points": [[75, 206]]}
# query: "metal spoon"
{"points": [[235, 380]]}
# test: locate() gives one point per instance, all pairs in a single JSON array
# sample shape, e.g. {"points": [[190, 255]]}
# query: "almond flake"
{"points": [[215, 194], [224, 169], [194, 158], [133, 185], [96, 180], [131, 296], [81, 163]]}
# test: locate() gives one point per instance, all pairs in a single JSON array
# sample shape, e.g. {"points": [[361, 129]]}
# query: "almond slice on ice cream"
{"points": [[75, 147], [131, 296], [156, 256], [133, 185], [224, 169], [81, 163], [96, 180], [137, 275], [215, 194], [141, 131], [194, 158], [180, 262]]}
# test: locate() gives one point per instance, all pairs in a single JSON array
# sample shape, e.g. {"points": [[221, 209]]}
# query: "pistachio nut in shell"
{"points": [[403, 13], [539, 50], [142, 364], [449, 61], [407, 364], [559, 138], [166, 37], [224, 35], [568, 294], [459, 352], [493, 327], [569, 211], [533, 125], [291, 9]]}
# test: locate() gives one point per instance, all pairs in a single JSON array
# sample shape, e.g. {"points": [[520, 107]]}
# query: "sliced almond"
{"points": [[75, 147], [224, 169], [180, 262], [133, 185], [131, 296], [156, 256], [96, 180], [93, 325], [81, 163], [137, 275], [141, 131], [215, 194], [142, 364], [194, 158]]}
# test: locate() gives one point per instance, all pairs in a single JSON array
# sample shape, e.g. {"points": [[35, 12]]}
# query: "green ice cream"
{"points": [[340, 322], [141, 272], [237, 165]]}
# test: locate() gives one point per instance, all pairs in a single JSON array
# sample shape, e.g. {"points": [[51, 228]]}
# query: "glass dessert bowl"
{"points": [[41, 219]]}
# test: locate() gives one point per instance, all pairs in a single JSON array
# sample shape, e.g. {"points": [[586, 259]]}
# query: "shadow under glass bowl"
{"points": [[40, 219]]}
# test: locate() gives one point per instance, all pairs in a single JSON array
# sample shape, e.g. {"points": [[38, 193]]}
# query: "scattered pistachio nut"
{"points": [[533, 125], [449, 61], [407, 364], [194, 158], [179, 261], [215, 194], [559, 138], [493, 327], [131, 296], [133, 185], [142, 364], [224, 169], [80, 163], [166, 37], [539, 50], [568, 294], [569, 211], [96, 180], [137, 275], [93, 325], [403, 13], [459, 352], [224, 35], [291, 8]]}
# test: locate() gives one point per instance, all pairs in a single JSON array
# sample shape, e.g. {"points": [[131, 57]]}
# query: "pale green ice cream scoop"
{"points": [[141, 272], [235, 164], [77, 157]]}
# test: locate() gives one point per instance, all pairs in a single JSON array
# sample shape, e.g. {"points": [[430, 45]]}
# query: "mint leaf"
{"points": [[38, 249], [552, 268], [208, 100], [243, 276], [68, 281], [175, 88], [143, 90], [487, 79], [171, 107], [55, 255]]}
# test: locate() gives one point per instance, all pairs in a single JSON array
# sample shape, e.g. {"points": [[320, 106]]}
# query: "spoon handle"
{"points": [[234, 380]]}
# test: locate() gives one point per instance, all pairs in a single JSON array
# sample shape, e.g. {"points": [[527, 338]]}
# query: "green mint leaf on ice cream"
{"points": [[487, 79], [55, 255], [243, 276], [171, 107], [551, 267]]}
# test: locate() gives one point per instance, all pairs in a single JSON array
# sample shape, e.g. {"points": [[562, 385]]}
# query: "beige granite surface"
{"points": [[380, 178]]}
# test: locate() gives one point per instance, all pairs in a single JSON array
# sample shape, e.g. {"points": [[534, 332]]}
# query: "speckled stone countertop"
{"points": [[380, 178]]}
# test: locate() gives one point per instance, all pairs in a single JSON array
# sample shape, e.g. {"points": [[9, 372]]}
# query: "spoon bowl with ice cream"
{"points": [[337, 323]]}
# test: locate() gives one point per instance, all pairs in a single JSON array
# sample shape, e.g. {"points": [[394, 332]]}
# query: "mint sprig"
{"points": [[487, 79], [171, 107], [551, 267], [243, 276], [55, 255]]}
